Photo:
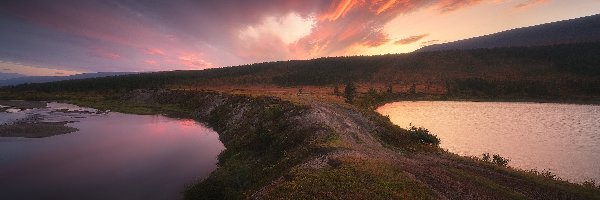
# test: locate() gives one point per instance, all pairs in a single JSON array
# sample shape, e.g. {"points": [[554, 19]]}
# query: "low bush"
{"points": [[496, 159], [423, 136]]}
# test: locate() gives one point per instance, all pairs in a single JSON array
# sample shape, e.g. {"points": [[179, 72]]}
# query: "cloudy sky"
{"points": [[60, 37]]}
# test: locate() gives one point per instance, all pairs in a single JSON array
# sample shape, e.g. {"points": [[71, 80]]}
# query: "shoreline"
{"points": [[33, 124], [35, 129], [590, 103], [281, 149]]}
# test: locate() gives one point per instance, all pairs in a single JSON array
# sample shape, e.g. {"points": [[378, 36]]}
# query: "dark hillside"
{"points": [[551, 71], [584, 29]]}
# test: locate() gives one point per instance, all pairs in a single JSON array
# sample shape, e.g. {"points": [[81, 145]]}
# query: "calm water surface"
{"points": [[562, 138], [112, 156]]}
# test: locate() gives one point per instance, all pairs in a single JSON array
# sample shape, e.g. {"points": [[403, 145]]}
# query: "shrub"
{"points": [[499, 160], [423, 135], [590, 184], [350, 92], [413, 89], [496, 159], [545, 173], [485, 157]]}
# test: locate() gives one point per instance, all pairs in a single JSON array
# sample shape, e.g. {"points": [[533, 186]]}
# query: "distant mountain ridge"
{"points": [[5, 76], [578, 30], [46, 79]]}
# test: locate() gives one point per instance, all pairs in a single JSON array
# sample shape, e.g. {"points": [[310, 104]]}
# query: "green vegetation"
{"points": [[349, 92], [317, 146], [545, 173], [267, 143], [591, 184], [423, 136], [351, 178], [413, 89], [490, 185], [257, 150], [503, 179], [401, 139], [560, 72], [336, 91], [496, 159]]}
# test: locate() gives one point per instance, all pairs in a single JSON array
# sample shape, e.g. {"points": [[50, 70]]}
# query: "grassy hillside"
{"points": [[570, 71]]}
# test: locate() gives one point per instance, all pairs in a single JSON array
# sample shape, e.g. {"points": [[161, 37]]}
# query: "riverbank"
{"points": [[581, 101], [310, 148], [35, 130], [22, 104], [31, 125]]}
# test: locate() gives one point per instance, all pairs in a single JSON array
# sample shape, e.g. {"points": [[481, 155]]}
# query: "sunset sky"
{"points": [[65, 37]]}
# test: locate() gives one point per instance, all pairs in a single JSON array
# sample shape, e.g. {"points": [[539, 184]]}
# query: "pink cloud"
{"points": [[166, 33], [101, 53], [338, 9], [352, 24], [151, 62], [343, 27], [154, 51], [452, 5], [376, 39], [411, 39], [192, 61], [529, 3], [429, 42]]}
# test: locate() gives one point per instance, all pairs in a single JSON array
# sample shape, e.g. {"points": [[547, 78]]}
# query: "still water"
{"points": [[112, 156], [562, 138]]}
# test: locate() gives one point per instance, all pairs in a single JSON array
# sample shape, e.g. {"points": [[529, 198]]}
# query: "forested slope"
{"points": [[556, 71]]}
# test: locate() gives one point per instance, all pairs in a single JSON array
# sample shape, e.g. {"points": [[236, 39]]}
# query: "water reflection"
{"points": [[560, 137], [113, 156]]}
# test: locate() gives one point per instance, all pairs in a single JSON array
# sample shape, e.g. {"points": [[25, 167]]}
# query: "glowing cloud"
{"points": [[452, 5], [411, 39], [34, 70], [529, 3], [151, 62], [96, 35], [154, 51], [194, 62], [338, 9]]}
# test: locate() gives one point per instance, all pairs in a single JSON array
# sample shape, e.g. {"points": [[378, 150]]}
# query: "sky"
{"points": [[64, 37]]}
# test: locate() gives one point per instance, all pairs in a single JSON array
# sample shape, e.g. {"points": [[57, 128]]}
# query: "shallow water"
{"points": [[562, 138], [112, 156]]}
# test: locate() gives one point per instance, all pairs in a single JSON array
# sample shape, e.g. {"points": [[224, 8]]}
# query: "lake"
{"points": [[562, 138], [112, 156]]}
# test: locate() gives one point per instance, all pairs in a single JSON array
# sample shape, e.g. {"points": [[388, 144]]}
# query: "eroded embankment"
{"points": [[320, 150]]}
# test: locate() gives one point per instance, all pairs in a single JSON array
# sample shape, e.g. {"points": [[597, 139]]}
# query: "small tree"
{"points": [[336, 91], [447, 84], [349, 92], [389, 89], [413, 89], [372, 92], [499, 160]]}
